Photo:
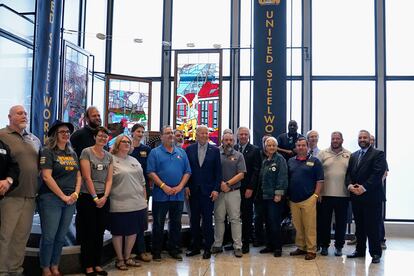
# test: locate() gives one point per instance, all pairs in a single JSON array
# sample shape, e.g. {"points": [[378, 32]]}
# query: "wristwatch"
{"points": [[10, 180]]}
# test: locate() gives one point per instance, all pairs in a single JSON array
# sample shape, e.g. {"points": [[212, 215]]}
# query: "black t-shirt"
{"points": [[81, 139], [287, 141], [8, 166], [141, 153], [64, 166]]}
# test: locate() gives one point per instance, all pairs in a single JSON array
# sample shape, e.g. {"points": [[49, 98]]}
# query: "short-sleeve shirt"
{"points": [[303, 175], [334, 166], [232, 164], [141, 153], [64, 165], [99, 169], [170, 168], [128, 185]]}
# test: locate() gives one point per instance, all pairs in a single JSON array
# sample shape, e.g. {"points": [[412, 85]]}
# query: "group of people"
{"points": [[236, 184]]}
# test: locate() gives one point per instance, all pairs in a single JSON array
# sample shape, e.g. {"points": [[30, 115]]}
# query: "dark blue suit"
{"points": [[202, 182], [367, 206]]}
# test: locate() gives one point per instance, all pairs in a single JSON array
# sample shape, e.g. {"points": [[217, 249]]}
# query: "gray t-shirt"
{"points": [[99, 169], [64, 166], [128, 185], [232, 164]]}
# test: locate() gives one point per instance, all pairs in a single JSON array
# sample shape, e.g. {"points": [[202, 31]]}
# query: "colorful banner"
{"points": [[46, 66], [269, 99]]}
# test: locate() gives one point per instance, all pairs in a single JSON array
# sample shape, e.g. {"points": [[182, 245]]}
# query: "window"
{"points": [[399, 38], [71, 20], [15, 77], [343, 37], [345, 106], [137, 20], [294, 103], [400, 96], [96, 24]]}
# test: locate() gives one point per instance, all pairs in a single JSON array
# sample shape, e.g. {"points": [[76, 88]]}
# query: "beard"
{"points": [[227, 149]]}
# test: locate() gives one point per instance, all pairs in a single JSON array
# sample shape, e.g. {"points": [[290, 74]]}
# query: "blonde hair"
{"points": [[115, 147]]}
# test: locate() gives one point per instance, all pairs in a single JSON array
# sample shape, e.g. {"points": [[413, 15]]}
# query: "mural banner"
{"points": [[46, 66], [269, 98]]}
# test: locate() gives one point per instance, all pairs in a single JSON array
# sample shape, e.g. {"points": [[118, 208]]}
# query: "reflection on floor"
{"points": [[397, 260]]}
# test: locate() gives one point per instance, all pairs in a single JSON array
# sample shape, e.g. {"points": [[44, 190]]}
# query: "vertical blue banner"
{"points": [[46, 66], [269, 97]]}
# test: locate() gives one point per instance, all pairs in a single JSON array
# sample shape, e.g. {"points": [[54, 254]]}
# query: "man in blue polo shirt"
{"points": [[305, 182], [169, 169]]}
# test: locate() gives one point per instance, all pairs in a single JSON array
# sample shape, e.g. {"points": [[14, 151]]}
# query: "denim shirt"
{"points": [[273, 176]]}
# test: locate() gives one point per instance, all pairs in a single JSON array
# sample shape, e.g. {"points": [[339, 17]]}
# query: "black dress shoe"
{"points": [[376, 259], [277, 253], [324, 251], [206, 254], [192, 253], [176, 256], [265, 250], [356, 254], [245, 249], [92, 273], [101, 272]]}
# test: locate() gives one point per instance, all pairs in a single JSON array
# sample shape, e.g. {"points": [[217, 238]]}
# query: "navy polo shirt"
{"points": [[303, 175], [170, 168]]}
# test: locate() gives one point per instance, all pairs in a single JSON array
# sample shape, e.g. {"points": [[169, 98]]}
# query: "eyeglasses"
{"points": [[126, 142], [64, 132]]}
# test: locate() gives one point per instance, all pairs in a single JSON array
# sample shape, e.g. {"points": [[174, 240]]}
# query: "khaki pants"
{"points": [[16, 217], [304, 220]]}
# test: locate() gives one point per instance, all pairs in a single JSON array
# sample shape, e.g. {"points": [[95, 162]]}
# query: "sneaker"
{"points": [[238, 253], [216, 249], [324, 251], [383, 245], [338, 252], [352, 242]]}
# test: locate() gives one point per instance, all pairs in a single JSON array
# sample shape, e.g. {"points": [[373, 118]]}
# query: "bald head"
{"points": [[17, 118]]}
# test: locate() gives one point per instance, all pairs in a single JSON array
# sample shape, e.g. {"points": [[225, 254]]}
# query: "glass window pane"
{"points": [[155, 106], [399, 38], [15, 77], [294, 7], [20, 5], [203, 23], [71, 21], [343, 37], [294, 103], [137, 20], [16, 24], [246, 90], [296, 69], [400, 189], [98, 99], [334, 108], [96, 23]]}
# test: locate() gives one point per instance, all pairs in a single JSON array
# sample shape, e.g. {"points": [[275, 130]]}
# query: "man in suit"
{"points": [[251, 155], [364, 180], [202, 190]]}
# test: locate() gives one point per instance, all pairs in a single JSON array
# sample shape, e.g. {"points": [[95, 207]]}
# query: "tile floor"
{"points": [[397, 260]]}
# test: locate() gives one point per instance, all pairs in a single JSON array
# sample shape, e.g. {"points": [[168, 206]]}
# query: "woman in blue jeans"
{"points": [[57, 195], [273, 182]]}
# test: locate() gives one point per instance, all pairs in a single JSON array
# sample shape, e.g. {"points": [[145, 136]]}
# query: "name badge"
{"points": [[310, 164], [143, 153], [3, 151], [99, 167]]}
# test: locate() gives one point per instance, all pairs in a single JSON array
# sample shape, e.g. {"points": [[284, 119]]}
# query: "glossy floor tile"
{"points": [[398, 259]]}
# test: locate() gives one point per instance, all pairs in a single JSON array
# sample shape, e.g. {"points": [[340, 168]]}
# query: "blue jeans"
{"points": [[159, 213], [55, 218], [273, 213]]}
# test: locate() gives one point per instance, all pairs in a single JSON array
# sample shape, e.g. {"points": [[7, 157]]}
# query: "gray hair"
{"points": [[200, 127], [310, 132], [271, 138]]}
